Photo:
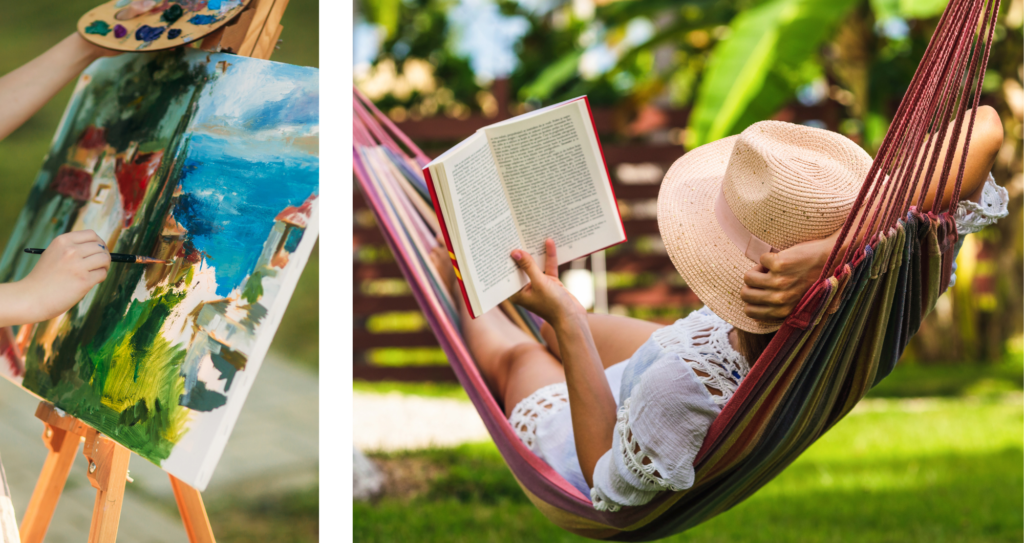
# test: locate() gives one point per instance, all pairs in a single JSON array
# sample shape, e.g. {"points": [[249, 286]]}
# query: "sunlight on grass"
{"points": [[935, 469]]}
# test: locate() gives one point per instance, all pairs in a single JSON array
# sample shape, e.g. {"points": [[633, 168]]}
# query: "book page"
{"points": [[485, 229], [556, 182]]}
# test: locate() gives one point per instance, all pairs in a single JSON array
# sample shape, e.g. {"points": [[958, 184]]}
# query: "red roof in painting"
{"points": [[132, 180], [297, 216], [93, 138], [73, 182]]}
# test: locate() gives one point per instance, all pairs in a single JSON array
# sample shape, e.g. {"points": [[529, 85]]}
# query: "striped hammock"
{"points": [[845, 336]]}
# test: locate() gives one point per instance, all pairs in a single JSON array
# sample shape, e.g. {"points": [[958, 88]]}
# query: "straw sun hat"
{"points": [[775, 185]]}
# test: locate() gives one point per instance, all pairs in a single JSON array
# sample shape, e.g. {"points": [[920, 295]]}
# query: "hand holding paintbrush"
{"points": [[119, 257], [72, 264]]}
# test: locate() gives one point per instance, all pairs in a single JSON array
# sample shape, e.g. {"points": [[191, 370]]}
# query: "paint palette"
{"points": [[152, 25]]}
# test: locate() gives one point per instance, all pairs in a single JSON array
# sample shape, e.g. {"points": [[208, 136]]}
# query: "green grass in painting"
{"points": [[894, 470], [134, 382]]}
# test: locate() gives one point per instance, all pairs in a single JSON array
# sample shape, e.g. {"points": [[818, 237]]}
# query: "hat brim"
{"points": [[710, 263]]}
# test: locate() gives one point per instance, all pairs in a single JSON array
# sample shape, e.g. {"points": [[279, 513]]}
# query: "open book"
{"points": [[512, 185]]}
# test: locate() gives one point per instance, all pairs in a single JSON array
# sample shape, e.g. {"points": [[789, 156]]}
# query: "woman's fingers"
{"points": [[98, 261], [757, 296], [550, 258], [88, 249], [98, 276], [756, 277], [764, 312], [526, 263]]}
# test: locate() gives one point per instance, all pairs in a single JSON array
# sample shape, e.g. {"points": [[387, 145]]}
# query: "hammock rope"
{"points": [[883, 276]]}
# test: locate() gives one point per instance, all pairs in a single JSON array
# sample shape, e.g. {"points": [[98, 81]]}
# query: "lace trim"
{"points": [[702, 341], [633, 453], [972, 217], [536, 407], [602, 504]]}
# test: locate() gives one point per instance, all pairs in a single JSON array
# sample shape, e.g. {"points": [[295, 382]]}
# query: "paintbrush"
{"points": [[120, 257]]}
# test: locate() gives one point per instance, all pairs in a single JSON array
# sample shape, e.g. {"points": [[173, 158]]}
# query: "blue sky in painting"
{"points": [[259, 96], [243, 165]]}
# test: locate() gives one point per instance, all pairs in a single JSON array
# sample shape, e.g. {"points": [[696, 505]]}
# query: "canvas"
{"points": [[207, 159]]}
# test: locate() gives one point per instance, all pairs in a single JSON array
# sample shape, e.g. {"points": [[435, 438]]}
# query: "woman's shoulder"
{"points": [[701, 334], [676, 353]]}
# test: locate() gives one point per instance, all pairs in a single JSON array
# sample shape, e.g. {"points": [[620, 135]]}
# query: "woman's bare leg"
{"points": [[512, 362], [616, 337]]}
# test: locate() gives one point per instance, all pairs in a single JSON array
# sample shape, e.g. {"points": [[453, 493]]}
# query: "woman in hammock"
{"points": [[619, 407]]}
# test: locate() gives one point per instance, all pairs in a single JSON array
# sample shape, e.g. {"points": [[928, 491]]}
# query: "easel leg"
{"points": [[193, 513], [63, 447], [108, 471]]}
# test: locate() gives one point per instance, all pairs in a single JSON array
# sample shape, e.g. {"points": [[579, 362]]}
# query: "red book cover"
{"points": [[611, 186], [447, 239]]}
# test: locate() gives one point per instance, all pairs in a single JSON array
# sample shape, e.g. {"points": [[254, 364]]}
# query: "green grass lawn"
{"points": [[289, 518], [945, 468]]}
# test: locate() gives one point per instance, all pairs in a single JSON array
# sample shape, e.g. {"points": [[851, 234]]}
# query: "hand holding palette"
{"points": [[151, 25]]}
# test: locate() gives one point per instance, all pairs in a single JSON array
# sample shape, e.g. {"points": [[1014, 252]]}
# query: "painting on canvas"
{"points": [[208, 160]]}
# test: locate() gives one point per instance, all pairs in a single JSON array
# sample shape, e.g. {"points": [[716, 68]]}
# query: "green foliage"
{"points": [[757, 69], [921, 9], [554, 76]]}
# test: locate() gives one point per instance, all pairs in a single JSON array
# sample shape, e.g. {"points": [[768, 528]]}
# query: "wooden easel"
{"points": [[254, 33], [108, 473]]}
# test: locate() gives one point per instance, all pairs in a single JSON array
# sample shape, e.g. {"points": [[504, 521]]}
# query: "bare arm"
{"points": [[591, 403], [775, 287], [25, 90]]}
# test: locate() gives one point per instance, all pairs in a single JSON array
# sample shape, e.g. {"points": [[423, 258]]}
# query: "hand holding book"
{"points": [[545, 295], [516, 183]]}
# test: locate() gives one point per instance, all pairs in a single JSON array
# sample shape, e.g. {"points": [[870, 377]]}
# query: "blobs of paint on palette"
{"points": [[98, 27], [120, 31], [135, 9], [149, 33], [173, 33], [172, 14], [193, 5], [200, 20]]}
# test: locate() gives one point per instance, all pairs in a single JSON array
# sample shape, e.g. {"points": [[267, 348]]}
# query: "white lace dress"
{"points": [[665, 408]]}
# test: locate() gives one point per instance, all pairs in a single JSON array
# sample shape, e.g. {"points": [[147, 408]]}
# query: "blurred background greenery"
{"points": [[29, 28], [935, 453]]}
